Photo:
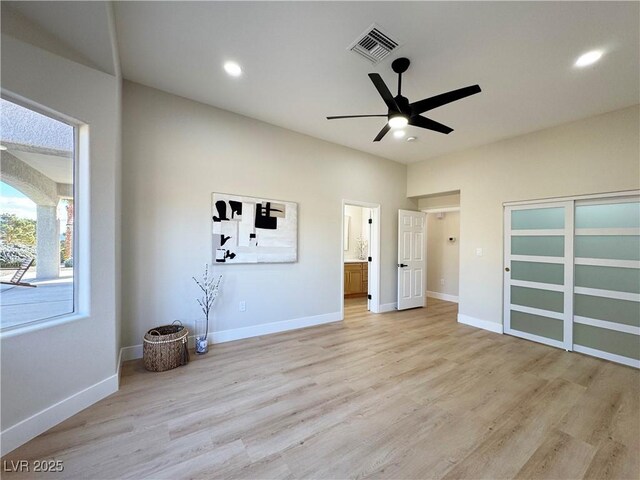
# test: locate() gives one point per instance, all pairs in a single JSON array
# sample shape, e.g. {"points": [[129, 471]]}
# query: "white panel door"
{"points": [[411, 259]]}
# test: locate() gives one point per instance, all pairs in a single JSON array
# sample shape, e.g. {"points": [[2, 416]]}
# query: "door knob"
{"points": [[506, 269], [402, 265]]}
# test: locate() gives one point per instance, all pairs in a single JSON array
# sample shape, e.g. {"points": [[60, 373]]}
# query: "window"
{"points": [[37, 216]]}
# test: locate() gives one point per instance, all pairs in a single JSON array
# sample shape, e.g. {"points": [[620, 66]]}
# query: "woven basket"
{"points": [[165, 347]]}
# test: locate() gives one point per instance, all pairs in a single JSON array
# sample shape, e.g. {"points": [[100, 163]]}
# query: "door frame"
{"points": [[433, 211], [374, 253]]}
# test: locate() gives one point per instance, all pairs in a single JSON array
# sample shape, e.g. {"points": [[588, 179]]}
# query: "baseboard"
{"points": [[478, 323], [274, 327], [387, 307], [135, 351], [31, 427], [131, 353], [443, 296]]}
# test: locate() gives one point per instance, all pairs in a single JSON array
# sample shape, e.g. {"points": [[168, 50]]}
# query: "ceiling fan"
{"points": [[402, 113]]}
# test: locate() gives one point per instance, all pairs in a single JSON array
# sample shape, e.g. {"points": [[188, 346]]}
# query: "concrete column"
{"points": [[47, 243]]}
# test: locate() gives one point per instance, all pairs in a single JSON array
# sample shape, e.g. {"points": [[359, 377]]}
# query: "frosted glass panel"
{"points": [[620, 343], [608, 278], [548, 246], [537, 218], [611, 247], [618, 215], [538, 272], [611, 309], [537, 325], [535, 298]]}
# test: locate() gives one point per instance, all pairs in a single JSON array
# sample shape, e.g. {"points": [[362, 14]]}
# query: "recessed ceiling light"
{"points": [[398, 121], [411, 139], [233, 69], [2, 147], [399, 133], [588, 58]]}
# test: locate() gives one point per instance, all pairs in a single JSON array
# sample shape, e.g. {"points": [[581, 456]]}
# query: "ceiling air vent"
{"points": [[374, 44]]}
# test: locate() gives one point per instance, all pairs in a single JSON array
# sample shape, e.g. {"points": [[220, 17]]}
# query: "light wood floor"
{"points": [[402, 395]]}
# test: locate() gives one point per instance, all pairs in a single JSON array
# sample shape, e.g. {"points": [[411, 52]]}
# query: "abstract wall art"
{"points": [[254, 230]]}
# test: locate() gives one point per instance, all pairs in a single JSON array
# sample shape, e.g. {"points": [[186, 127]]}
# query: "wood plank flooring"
{"points": [[401, 395]]}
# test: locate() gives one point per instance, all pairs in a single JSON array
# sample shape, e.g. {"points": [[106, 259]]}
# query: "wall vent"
{"points": [[374, 44]]}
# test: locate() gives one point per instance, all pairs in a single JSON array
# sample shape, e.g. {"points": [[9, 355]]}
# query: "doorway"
{"points": [[443, 253], [360, 256]]}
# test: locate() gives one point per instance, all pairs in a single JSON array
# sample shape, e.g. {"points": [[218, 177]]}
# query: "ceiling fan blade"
{"points": [[382, 133], [356, 116], [384, 91], [423, 122], [434, 102]]}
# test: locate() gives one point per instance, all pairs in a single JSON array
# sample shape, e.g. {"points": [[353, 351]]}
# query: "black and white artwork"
{"points": [[254, 230]]}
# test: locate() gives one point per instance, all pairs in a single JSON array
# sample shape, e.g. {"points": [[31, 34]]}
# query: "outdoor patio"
{"points": [[24, 304]]}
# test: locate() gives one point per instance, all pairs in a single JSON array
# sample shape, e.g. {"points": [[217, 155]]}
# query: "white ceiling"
{"points": [[58, 169], [297, 69], [82, 27]]}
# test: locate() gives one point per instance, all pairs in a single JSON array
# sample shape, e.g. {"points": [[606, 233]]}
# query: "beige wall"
{"points": [[443, 260], [177, 152], [439, 201], [598, 154], [74, 362]]}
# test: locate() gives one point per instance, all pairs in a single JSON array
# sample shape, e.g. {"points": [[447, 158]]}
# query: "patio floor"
{"points": [[24, 304]]}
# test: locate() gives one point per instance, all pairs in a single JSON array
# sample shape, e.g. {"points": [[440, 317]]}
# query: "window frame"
{"points": [[81, 247]]}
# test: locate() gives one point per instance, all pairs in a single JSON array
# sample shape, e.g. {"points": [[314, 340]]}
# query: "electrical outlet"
{"points": [[479, 252], [243, 306], [442, 281]]}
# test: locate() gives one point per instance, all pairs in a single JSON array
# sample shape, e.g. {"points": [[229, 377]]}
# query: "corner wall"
{"points": [[176, 152], [54, 370], [595, 155]]}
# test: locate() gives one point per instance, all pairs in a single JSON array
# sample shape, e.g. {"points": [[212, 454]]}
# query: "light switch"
{"points": [[479, 252]]}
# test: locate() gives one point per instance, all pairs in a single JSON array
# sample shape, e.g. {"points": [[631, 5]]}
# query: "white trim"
{"points": [[603, 196], [274, 327], [43, 324], [440, 210], [559, 232], [536, 259], [615, 326], [605, 262], [538, 285], [373, 267], [607, 231], [536, 204], [135, 351], [538, 311], [631, 198], [443, 296], [596, 292], [479, 323], [388, 307], [131, 353], [536, 338], [31, 427], [569, 225], [506, 269], [631, 362]]}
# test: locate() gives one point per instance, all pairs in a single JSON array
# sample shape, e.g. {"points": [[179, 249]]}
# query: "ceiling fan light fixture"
{"points": [[398, 121], [233, 69], [399, 133], [588, 58]]}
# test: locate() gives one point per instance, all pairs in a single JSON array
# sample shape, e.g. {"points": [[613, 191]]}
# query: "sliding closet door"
{"points": [[538, 274], [607, 279]]}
